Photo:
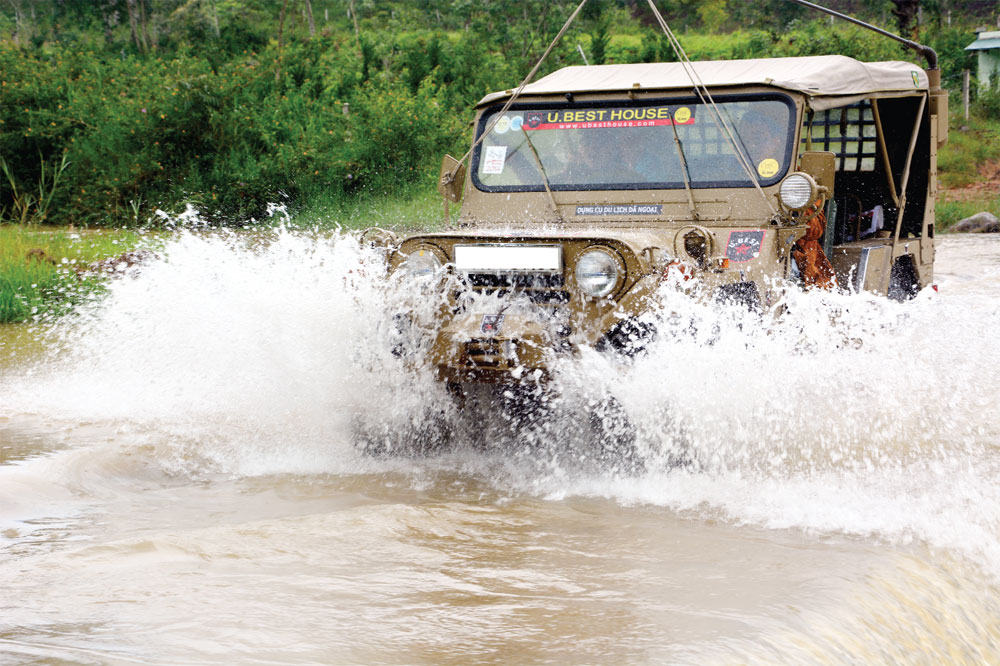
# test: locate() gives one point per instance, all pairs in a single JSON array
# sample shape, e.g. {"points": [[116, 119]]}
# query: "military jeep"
{"points": [[600, 182]]}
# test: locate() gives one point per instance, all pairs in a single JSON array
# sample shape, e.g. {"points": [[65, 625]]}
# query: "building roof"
{"points": [[817, 76], [985, 41]]}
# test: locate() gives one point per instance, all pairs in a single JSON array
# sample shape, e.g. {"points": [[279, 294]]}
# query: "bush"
{"points": [[147, 133], [393, 132], [950, 43], [819, 37], [988, 99]]}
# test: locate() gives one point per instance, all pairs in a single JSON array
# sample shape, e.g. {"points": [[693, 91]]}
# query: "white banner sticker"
{"points": [[492, 258], [495, 156]]}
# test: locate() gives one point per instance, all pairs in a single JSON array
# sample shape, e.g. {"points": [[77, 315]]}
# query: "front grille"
{"points": [[487, 353], [541, 288]]}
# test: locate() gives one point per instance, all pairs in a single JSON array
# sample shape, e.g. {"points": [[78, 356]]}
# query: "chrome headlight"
{"points": [[798, 190], [597, 273], [422, 262]]}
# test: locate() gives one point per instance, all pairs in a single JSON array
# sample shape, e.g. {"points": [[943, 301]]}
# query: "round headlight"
{"points": [[797, 191], [596, 273], [422, 262]]}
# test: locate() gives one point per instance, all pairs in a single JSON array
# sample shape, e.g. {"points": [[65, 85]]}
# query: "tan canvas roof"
{"points": [[829, 76]]}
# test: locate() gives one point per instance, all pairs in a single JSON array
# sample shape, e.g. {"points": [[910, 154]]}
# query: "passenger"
{"points": [[763, 137], [520, 167]]}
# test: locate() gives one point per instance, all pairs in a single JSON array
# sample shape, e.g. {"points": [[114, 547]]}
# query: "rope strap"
{"points": [[451, 174], [706, 98]]}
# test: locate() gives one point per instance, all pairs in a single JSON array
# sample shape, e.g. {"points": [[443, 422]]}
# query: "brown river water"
{"points": [[181, 481]]}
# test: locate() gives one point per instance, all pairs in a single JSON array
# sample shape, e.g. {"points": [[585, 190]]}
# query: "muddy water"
{"points": [[181, 481]]}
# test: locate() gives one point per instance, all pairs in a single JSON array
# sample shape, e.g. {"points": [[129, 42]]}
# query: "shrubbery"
{"points": [[149, 132]]}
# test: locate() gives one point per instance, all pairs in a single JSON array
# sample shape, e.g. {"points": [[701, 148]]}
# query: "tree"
{"points": [[773, 16], [599, 40], [905, 12], [138, 24], [713, 14], [309, 16], [21, 31], [594, 12]]}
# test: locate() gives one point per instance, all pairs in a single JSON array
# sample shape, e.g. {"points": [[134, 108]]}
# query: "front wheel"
{"points": [[615, 438], [629, 337], [903, 283]]}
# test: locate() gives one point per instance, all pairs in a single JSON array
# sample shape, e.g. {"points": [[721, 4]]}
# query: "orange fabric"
{"points": [[683, 269], [814, 267]]}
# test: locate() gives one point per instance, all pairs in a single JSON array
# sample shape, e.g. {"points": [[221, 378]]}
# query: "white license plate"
{"points": [[499, 258]]}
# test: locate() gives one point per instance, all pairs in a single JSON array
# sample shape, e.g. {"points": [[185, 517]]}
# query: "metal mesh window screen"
{"points": [[848, 132]]}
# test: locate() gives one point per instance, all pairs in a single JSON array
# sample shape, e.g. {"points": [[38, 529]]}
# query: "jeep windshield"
{"points": [[632, 145]]}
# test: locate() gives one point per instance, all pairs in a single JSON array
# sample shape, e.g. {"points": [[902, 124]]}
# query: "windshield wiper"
{"points": [[684, 172], [545, 178]]}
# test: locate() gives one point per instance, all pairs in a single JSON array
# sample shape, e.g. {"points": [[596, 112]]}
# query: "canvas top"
{"points": [[827, 76]]}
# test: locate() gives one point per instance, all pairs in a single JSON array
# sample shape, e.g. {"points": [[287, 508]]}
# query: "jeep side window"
{"points": [[870, 167]]}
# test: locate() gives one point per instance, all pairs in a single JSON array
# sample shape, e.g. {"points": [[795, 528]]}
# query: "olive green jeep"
{"points": [[598, 183]]}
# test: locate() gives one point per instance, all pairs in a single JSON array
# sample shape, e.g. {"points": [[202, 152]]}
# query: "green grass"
{"points": [[418, 207], [970, 145], [32, 287], [959, 159]]}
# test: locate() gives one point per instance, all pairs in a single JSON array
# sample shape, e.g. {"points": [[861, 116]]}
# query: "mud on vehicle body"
{"points": [[598, 183]]}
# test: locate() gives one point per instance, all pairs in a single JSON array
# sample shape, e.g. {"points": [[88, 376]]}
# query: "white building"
{"points": [[987, 44]]}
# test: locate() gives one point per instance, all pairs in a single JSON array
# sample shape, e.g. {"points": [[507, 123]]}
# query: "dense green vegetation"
{"points": [[112, 110]]}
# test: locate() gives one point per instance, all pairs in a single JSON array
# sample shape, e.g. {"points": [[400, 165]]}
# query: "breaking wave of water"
{"points": [[249, 355]]}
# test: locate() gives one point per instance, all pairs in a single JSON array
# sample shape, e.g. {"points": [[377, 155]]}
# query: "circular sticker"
{"points": [[502, 125], [516, 122], [767, 168], [682, 115]]}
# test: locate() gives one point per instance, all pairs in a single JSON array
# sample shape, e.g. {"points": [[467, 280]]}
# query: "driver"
{"points": [[763, 138], [586, 158]]}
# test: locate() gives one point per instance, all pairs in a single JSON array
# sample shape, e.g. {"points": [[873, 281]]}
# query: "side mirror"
{"points": [[822, 166], [378, 237], [452, 178]]}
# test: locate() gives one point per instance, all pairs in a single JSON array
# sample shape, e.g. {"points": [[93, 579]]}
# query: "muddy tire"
{"points": [[527, 417], [629, 337], [903, 284]]}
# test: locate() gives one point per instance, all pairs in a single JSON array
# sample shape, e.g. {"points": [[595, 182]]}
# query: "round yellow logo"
{"points": [[767, 168], [682, 115], [502, 125]]}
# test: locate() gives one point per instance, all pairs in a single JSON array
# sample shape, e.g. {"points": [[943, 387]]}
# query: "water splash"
{"points": [[246, 355]]}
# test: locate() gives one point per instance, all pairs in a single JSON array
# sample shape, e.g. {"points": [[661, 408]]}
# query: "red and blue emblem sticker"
{"points": [[744, 245]]}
